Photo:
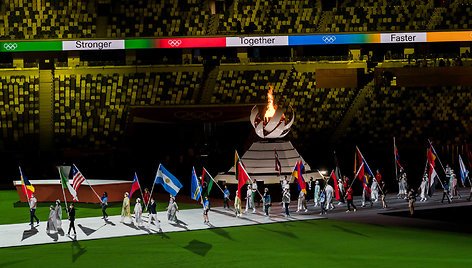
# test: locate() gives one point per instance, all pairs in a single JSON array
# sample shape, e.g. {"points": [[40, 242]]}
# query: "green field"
{"points": [[313, 243], [15, 212], [308, 243]]}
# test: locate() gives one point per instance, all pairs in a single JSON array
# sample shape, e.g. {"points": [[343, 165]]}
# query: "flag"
{"points": [[207, 182], [278, 166], [77, 178], [135, 186], [236, 168], [364, 172], [195, 188], [397, 155], [27, 187], [431, 154], [297, 173], [65, 184], [464, 171], [469, 155], [336, 186], [170, 183], [432, 179], [337, 174], [242, 177]]}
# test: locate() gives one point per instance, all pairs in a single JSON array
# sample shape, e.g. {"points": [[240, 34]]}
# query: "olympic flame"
{"points": [[270, 105]]}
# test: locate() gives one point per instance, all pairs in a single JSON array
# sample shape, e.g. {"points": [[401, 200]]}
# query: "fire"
{"points": [[270, 105]]}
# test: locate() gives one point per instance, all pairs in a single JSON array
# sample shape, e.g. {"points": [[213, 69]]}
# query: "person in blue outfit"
{"points": [[267, 202], [206, 208], [226, 198], [104, 204]]}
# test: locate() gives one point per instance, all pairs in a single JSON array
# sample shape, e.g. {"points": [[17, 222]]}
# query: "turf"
{"points": [[14, 211], [313, 243]]}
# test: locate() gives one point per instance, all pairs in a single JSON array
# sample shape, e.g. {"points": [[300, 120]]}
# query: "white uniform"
{"points": [[138, 213], [329, 196], [423, 190], [248, 200], [301, 201], [374, 189]]}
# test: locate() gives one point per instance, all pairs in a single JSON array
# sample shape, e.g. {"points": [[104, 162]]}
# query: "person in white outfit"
{"points": [[329, 197], [138, 213], [58, 211], [317, 193], [248, 198], [301, 202], [423, 189], [374, 189]]}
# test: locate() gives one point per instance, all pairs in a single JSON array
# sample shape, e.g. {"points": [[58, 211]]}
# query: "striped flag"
{"points": [[77, 177], [464, 171], [66, 184]]}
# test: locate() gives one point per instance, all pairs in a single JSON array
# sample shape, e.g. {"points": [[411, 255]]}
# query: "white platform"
{"points": [[96, 228]]}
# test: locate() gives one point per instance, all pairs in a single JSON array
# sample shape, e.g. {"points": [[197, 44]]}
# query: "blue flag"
{"points": [[196, 189], [464, 171], [170, 183]]}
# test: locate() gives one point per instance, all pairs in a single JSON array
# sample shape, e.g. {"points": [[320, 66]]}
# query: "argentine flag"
{"points": [[171, 184], [464, 171]]}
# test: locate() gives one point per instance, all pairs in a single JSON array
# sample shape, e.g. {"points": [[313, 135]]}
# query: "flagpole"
{"points": [[437, 155], [141, 190], [395, 158], [23, 185], [152, 189], [89, 185], [373, 177], [252, 182], [63, 192]]}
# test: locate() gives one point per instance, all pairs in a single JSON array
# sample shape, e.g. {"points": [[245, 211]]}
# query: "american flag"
{"points": [[77, 177], [278, 166]]}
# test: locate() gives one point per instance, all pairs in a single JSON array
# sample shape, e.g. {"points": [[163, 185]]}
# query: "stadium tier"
{"points": [[26, 20], [19, 109], [91, 106]]}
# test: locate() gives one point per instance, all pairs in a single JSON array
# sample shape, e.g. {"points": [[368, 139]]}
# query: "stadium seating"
{"points": [[95, 106], [19, 110], [158, 18], [44, 19], [414, 114]]}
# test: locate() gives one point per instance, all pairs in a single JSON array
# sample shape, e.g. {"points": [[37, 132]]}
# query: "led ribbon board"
{"points": [[238, 41]]}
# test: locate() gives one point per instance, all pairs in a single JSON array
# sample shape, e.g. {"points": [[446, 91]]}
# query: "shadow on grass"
{"points": [[198, 247], [221, 232], [77, 250], [285, 233], [349, 231], [11, 263]]}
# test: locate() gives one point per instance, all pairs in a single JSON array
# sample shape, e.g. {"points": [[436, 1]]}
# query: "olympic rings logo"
{"points": [[328, 39], [174, 43], [10, 46]]}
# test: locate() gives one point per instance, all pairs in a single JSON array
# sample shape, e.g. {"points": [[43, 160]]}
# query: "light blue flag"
{"points": [[171, 184], [464, 171], [196, 189]]}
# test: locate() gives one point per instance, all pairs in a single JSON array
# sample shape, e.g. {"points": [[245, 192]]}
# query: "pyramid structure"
{"points": [[259, 161]]}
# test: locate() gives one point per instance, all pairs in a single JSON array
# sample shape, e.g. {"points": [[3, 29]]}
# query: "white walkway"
{"points": [[96, 228]]}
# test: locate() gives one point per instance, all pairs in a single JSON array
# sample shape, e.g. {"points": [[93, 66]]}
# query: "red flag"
{"points": [[135, 186], [336, 186], [242, 177]]}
